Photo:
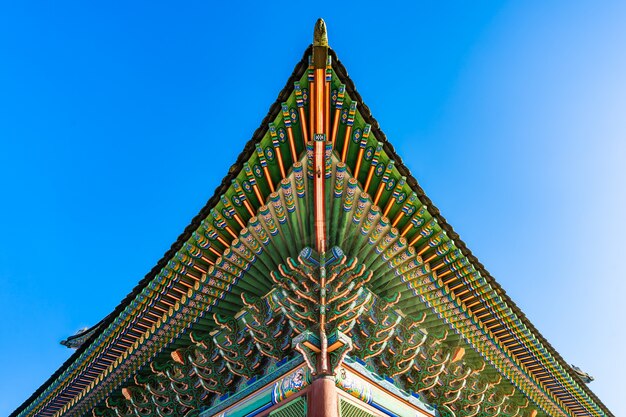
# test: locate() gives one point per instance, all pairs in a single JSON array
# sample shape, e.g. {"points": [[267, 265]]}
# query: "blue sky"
{"points": [[118, 120]]}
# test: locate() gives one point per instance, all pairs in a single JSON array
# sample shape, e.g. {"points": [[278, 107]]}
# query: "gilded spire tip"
{"points": [[320, 36]]}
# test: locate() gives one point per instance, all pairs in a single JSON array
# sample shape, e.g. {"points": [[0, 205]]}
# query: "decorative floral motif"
{"points": [[282, 135], [291, 384], [353, 386], [380, 168], [258, 172], [294, 115], [344, 116], [356, 137]]}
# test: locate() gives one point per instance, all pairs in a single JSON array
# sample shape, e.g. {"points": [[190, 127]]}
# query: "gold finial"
{"points": [[320, 37], [320, 44]]}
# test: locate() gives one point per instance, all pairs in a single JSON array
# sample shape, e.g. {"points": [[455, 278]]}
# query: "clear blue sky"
{"points": [[119, 119]]}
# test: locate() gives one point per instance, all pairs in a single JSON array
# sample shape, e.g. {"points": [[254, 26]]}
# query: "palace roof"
{"points": [[255, 228]]}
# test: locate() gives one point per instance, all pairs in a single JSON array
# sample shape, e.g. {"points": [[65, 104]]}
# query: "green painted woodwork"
{"points": [[244, 293], [241, 346], [279, 382], [295, 408], [252, 404], [347, 409], [271, 311]]}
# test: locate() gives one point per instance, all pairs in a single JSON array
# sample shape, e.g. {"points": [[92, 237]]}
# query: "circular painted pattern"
{"points": [[258, 172], [369, 153], [344, 116], [269, 153], [294, 115], [305, 95], [380, 168], [390, 184], [356, 137], [236, 201], [282, 135]]}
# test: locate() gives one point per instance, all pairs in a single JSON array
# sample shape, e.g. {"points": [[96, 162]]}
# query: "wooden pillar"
{"points": [[322, 398]]}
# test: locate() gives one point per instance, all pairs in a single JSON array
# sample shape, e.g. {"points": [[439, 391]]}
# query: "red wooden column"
{"points": [[322, 400]]}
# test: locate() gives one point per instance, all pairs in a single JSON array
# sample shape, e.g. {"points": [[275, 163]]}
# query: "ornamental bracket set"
{"points": [[319, 257]]}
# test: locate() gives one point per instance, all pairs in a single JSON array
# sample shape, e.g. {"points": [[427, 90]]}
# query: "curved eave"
{"points": [[434, 211], [234, 170], [74, 341]]}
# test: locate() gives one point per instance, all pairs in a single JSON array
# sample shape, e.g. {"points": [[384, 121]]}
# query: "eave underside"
{"points": [[156, 318]]}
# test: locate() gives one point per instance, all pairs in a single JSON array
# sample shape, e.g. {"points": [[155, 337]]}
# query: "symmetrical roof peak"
{"points": [[319, 246]]}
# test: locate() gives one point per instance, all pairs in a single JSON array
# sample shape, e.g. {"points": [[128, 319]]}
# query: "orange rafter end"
{"points": [[369, 179], [279, 156], [258, 194], [357, 168], [346, 144], [238, 220], [248, 207], [333, 137], [379, 192], [268, 178], [397, 219], [415, 240], [430, 258], [222, 241], [424, 249], [230, 232], [292, 145], [390, 204], [305, 133], [458, 355], [178, 357], [126, 393]]}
